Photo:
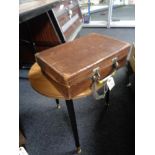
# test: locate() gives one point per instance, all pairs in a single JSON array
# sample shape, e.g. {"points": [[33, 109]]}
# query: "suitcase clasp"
{"points": [[96, 74], [95, 83], [115, 63]]}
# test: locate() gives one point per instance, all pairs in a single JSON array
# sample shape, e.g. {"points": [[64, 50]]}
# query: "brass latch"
{"points": [[96, 74], [95, 84], [115, 63]]}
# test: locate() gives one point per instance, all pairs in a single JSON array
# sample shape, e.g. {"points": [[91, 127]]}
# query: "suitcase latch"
{"points": [[96, 74], [115, 63]]}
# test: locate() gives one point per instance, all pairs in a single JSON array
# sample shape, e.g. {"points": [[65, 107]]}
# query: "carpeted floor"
{"points": [[102, 130]]}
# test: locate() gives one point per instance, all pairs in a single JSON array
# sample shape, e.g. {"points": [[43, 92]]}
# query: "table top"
{"points": [[43, 86], [32, 8]]}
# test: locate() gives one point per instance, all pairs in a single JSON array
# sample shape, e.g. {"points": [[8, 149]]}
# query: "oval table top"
{"points": [[43, 86]]}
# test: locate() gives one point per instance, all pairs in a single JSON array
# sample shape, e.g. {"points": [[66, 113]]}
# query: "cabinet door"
{"points": [[43, 32], [36, 35], [69, 18]]}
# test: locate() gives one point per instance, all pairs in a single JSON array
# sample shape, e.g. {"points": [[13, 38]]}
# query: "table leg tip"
{"points": [[58, 106], [78, 151], [128, 85]]}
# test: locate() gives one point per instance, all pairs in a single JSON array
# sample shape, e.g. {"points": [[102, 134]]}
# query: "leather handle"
{"points": [[97, 83]]}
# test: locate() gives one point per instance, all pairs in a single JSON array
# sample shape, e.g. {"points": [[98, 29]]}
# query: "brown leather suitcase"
{"points": [[70, 66]]}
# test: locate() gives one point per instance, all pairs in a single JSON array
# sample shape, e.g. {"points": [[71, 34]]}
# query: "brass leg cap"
{"points": [[78, 151], [58, 106], [128, 85]]}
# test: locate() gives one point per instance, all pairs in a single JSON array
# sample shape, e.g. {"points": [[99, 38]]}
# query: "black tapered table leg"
{"points": [[107, 97], [57, 102], [71, 113], [129, 72]]}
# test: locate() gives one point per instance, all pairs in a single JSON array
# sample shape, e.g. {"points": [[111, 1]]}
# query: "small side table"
{"points": [[43, 86]]}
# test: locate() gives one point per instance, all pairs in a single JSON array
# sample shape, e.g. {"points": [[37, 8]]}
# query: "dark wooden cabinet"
{"points": [[57, 25], [43, 32]]}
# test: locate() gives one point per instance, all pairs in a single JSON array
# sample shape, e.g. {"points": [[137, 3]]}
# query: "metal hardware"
{"points": [[95, 93], [96, 74], [78, 151], [102, 83], [58, 104], [96, 82], [115, 63], [70, 2], [66, 9], [69, 11]]}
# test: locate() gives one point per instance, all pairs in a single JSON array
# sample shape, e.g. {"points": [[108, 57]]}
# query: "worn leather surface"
{"points": [[72, 63]]}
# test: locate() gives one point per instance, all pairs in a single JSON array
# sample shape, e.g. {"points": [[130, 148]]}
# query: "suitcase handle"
{"points": [[97, 83]]}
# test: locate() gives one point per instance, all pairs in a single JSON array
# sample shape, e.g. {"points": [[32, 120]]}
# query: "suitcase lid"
{"points": [[68, 61]]}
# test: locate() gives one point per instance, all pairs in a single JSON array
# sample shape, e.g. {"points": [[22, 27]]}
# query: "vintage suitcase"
{"points": [[70, 66]]}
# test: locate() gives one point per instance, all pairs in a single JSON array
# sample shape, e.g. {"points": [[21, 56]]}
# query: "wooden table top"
{"points": [[43, 86]]}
